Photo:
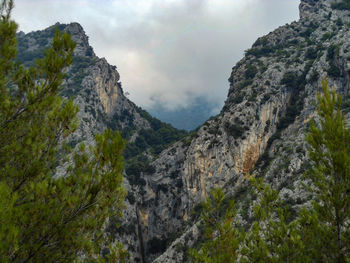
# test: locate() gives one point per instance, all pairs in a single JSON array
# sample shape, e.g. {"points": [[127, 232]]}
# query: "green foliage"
{"points": [[343, 5], [326, 36], [333, 71], [307, 33], [296, 84], [261, 48], [339, 22], [251, 71], [134, 167], [290, 79], [291, 113], [311, 53], [189, 138], [153, 140], [314, 76], [43, 217], [262, 41], [235, 130], [330, 175], [332, 52], [264, 51], [271, 238], [221, 231], [237, 99], [28, 57]]}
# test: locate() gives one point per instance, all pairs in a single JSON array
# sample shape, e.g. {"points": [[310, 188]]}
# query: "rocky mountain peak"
{"points": [[79, 36], [308, 7]]}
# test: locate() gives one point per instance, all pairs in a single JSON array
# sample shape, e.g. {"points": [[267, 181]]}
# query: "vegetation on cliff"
{"points": [[342, 5], [144, 143], [320, 232]]}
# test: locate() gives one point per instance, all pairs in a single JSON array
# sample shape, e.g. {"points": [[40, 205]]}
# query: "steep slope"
{"points": [[94, 86], [260, 129]]}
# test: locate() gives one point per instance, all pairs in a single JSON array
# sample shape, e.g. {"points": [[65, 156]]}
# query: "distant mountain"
{"points": [[188, 118]]}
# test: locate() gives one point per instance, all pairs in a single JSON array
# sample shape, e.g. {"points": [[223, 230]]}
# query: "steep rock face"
{"points": [[95, 88], [307, 6], [79, 37], [259, 131], [91, 81]]}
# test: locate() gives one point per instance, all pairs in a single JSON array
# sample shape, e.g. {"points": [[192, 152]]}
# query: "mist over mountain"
{"points": [[188, 118], [167, 52]]}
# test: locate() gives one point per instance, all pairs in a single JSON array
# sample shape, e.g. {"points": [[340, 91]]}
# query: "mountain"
{"points": [[260, 130], [94, 86]]}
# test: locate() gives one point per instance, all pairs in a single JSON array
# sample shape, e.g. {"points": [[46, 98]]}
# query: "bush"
{"points": [[339, 22], [332, 52], [326, 36], [334, 71], [250, 72], [260, 52], [344, 5], [245, 83], [292, 112], [238, 99], [289, 79], [311, 53], [307, 33], [234, 130], [262, 41], [314, 76]]}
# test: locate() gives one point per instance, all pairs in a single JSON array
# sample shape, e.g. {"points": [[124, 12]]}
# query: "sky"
{"points": [[168, 52]]}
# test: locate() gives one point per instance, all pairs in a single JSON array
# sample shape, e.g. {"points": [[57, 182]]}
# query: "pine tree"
{"points": [[45, 217], [221, 231], [272, 237], [330, 176]]}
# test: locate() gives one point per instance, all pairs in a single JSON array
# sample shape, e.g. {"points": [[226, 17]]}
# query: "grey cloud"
{"points": [[168, 51]]}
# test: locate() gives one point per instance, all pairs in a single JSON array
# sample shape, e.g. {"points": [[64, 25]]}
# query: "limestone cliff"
{"points": [[260, 129], [96, 89]]}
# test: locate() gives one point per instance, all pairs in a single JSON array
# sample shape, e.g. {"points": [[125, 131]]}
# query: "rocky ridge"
{"points": [[95, 87], [259, 131]]}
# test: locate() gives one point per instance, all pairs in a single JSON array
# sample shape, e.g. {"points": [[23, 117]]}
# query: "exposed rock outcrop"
{"points": [[96, 89], [307, 7], [260, 129], [262, 125]]}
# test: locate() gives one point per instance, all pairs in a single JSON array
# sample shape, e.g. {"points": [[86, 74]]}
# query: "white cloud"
{"points": [[167, 51]]}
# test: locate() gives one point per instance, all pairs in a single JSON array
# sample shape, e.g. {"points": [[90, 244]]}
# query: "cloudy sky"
{"points": [[168, 52]]}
